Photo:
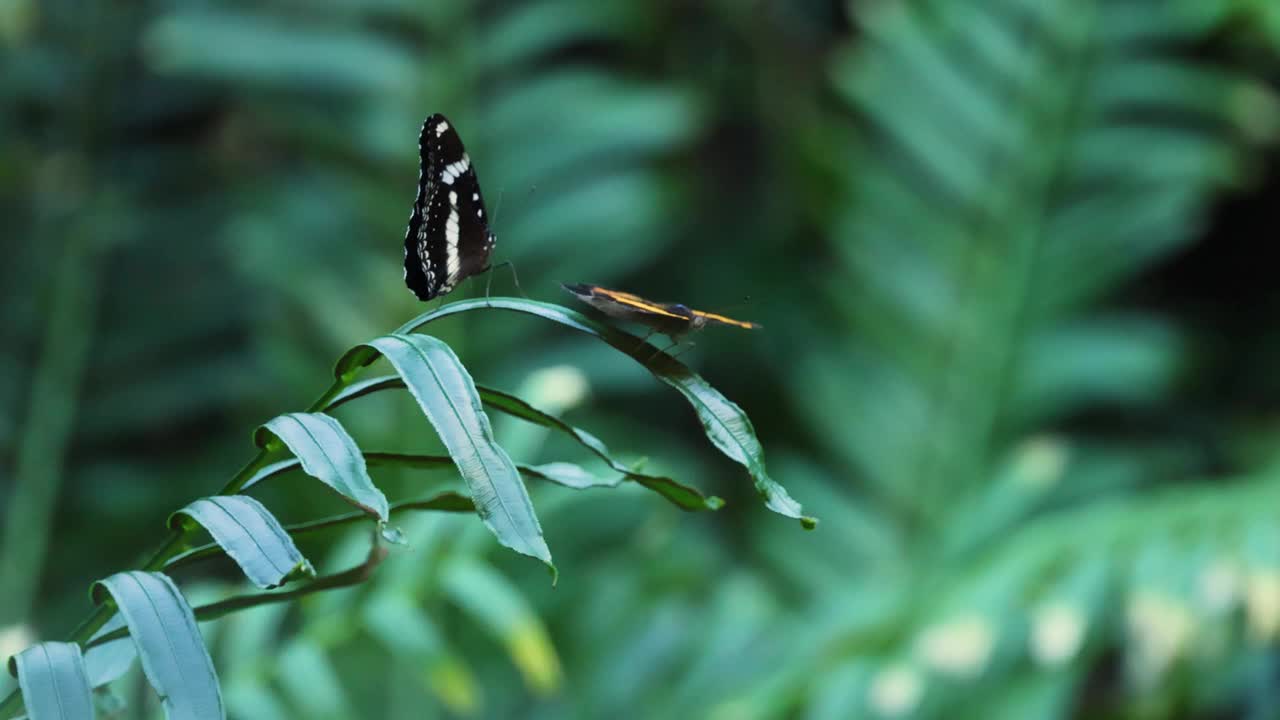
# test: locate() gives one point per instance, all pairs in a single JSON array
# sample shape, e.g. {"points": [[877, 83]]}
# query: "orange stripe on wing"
{"points": [[635, 301], [725, 320]]}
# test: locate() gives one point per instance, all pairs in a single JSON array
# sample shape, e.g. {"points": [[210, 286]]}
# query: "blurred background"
{"points": [[1018, 352]]}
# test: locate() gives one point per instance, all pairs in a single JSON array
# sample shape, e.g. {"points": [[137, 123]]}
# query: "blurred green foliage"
{"points": [[1007, 355]]}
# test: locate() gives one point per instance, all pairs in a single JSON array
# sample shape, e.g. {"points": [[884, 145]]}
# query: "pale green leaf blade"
{"points": [[106, 662], [726, 425], [251, 535], [329, 454], [164, 632], [54, 683], [444, 390], [682, 496]]}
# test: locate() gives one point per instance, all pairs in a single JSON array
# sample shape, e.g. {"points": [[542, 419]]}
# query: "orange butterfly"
{"points": [[671, 319]]}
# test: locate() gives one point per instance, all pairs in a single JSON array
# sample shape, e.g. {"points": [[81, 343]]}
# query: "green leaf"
{"points": [[251, 535], [683, 496], [54, 683], [328, 454], [311, 681], [498, 605], [443, 502], [106, 662], [252, 697], [362, 388], [164, 632], [438, 381], [275, 52], [569, 475], [269, 471], [725, 424], [400, 623]]}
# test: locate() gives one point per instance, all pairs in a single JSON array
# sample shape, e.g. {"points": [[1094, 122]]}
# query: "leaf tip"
{"points": [[714, 502], [304, 569], [264, 439]]}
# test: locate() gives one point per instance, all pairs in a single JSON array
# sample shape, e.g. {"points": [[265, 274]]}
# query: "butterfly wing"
{"points": [[448, 237], [707, 317]]}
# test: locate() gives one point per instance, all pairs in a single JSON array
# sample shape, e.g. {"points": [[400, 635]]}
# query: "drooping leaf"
{"points": [[726, 425], [444, 390], [54, 683], [682, 496], [570, 475], [328, 454], [164, 632], [251, 535]]}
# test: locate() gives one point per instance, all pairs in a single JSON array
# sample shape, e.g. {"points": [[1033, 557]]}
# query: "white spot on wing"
{"points": [[453, 258], [441, 128], [454, 170]]}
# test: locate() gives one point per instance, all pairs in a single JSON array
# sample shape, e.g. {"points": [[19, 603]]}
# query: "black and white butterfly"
{"points": [[448, 238]]}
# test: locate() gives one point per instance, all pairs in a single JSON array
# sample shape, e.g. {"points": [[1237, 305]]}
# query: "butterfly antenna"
{"points": [[498, 205], [515, 277]]}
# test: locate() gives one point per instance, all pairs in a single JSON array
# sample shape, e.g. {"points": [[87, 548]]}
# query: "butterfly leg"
{"points": [[514, 276], [656, 353], [643, 340], [683, 350]]}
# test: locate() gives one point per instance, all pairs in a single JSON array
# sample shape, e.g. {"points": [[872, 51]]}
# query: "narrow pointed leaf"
{"points": [[328, 454], [561, 473], [106, 662], [270, 471], [54, 683], [164, 632], [570, 475], [441, 502], [363, 387], [727, 427], [683, 496], [251, 535], [438, 381]]}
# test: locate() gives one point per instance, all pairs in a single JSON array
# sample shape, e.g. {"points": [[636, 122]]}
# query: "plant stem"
{"points": [[213, 611], [177, 540], [42, 450], [443, 502]]}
